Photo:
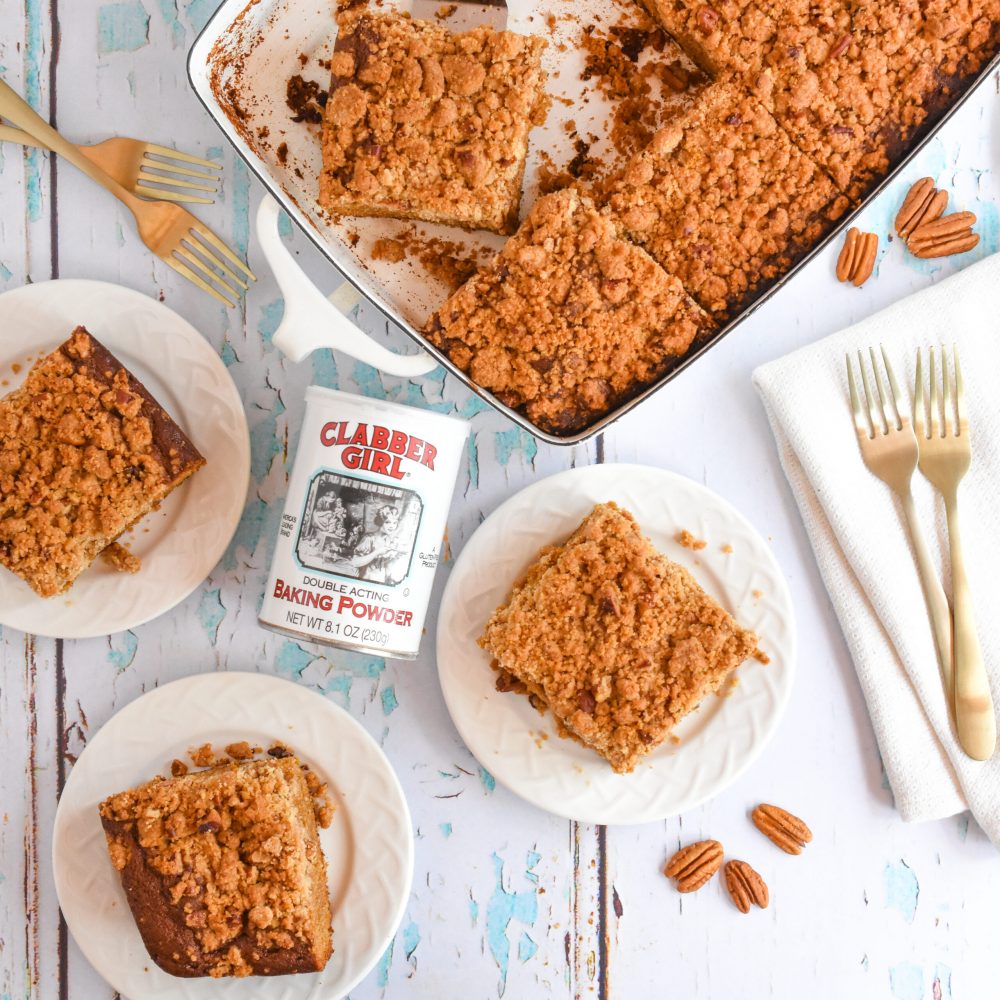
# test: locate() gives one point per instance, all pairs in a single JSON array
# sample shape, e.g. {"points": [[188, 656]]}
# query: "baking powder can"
{"points": [[363, 527]]}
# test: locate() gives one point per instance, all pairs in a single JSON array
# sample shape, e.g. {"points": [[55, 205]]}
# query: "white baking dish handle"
{"points": [[312, 321]]}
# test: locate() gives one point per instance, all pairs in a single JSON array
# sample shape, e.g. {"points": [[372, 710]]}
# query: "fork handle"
{"points": [[975, 717], [9, 134], [16, 109], [934, 597]]}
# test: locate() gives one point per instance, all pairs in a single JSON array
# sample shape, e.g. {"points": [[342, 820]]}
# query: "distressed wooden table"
{"points": [[507, 901]]}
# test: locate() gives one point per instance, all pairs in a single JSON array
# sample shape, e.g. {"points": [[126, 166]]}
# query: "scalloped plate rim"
{"points": [[344, 727]]}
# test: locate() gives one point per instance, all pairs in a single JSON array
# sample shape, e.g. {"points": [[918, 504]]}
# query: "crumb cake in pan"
{"points": [[85, 451], [805, 107], [618, 641], [569, 319], [224, 871], [723, 199], [424, 123]]}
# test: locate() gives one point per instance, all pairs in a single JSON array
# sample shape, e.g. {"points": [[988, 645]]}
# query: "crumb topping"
{"points": [[568, 319], [84, 452], [618, 641], [688, 541], [120, 559], [429, 124], [723, 199]]}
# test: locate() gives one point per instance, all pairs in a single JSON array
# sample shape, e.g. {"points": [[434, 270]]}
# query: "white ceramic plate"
{"points": [[369, 847], [717, 742], [181, 542]]}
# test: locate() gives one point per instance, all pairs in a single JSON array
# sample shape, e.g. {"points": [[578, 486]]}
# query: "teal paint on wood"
{"points": [[122, 27], [171, 17], [270, 319], [473, 461], [241, 207], [902, 891], [211, 613], [526, 947], [384, 963], [906, 981], [122, 650], [199, 11], [411, 940], [292, 659], [509, 442], [265, 443], [505, 906], [256, 517], [472, 406], [389, 702], [369, 381], [325, 372], [33, 52]]}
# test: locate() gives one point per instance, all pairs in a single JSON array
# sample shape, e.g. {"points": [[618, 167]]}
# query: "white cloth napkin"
{"points": [[857, 531]]}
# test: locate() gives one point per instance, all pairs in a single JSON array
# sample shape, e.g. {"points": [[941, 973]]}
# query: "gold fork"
{"points": [[889, 449], [945, 455], [169, 231], [137, 165]]}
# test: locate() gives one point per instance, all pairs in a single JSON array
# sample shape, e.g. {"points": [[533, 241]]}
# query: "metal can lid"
{"points": [[320, 394]]}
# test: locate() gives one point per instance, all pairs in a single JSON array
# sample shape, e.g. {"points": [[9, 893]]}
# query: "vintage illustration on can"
{"points": [[355, 528]]}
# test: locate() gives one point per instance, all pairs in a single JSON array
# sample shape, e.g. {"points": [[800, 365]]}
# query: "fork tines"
{"points": [[160, 166], [207, 270], [944, 417], [875, 417]]}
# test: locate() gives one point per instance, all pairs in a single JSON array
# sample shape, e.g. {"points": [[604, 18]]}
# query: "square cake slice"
{"points": [[424, 123], [85, 451], [569, 320], [617, 640], [723, 199], [224, 871]]}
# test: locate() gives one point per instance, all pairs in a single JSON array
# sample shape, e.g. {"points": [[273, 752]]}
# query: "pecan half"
{"points": [[857, 258], [746, 888], [923, 203], [694, 865], [782, 828], [945, 236]]}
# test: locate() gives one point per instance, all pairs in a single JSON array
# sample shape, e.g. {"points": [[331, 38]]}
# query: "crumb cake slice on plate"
{"points": [[85, 451], [569, 320], [224, 871], [424, 123], [618, 641]]}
